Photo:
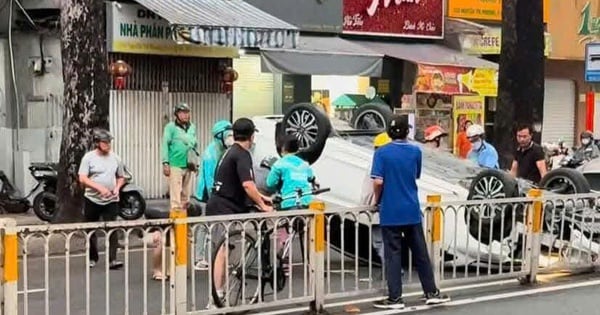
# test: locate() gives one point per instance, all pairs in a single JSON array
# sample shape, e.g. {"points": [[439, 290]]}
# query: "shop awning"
{"points": [[232, 23], [431, 54], [323, 55]]}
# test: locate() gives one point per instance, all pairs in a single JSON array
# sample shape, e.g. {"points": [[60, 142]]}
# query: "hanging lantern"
{"points": [[119, 70], [229, 76]]}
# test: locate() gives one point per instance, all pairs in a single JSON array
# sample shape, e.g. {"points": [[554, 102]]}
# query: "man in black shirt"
{"points": [[234, 185], [529, 159]]}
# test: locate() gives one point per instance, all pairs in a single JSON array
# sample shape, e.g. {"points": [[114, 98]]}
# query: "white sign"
{"points": [[132, 28]]}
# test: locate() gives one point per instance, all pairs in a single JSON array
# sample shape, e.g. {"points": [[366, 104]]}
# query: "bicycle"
{"points": [[265, 273]]}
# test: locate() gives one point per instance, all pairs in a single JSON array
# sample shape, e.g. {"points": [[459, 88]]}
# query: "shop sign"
{"points": [[466, 108], [592, 62], [490, 43], [590, 25], [483, 9], [456, 80], [400, 18], [134, 29]]}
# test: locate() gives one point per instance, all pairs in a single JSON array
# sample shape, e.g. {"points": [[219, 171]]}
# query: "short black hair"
{"points": [[290, 143], [523, 126], [243, 129]]}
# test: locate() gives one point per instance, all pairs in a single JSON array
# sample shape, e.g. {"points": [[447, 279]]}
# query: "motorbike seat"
{"points": [[196, 208]]}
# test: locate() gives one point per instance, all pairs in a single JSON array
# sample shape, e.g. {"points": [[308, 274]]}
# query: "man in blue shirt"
{"points": [[396, 168], [482, 153]]}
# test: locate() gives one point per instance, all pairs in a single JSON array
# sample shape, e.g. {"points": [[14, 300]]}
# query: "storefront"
{"points": [[177, 58]]}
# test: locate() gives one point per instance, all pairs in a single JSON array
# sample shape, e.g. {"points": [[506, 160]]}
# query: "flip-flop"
{"points": [[159, 277]]}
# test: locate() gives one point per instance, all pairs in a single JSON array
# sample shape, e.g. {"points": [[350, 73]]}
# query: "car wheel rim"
{"points": [[490, 187], [131, 206], [370, 120], [561, 185], [303, 124]]}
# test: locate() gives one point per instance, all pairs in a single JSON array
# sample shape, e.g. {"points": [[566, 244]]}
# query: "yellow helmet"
{"points": [[381, 140]]}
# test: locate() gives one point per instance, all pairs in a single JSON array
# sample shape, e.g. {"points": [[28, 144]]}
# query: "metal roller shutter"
{"points": [[253, 91], [559, 111]]}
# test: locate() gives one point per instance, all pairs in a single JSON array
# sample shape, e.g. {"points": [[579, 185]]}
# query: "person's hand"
{"points": [[104, 192], [116, 191], [266, 199], [266, 208], [166, 170]]}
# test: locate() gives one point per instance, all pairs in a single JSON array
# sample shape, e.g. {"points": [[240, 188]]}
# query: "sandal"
{"points": [[159, 277]]}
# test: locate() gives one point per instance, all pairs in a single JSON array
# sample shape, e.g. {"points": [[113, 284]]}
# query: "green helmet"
{"points": [[182, 107], [220, 127]]}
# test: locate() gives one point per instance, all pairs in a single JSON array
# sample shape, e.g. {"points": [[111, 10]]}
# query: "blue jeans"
{"points": [[415, 240]]}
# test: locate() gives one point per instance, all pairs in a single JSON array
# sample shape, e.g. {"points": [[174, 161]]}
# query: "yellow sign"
{"points": [[467, 109], [491, 42], [483, 9], [481, 81], [189, 50]]}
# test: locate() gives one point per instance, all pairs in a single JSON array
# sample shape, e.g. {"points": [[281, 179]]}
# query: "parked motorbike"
{"points": [[131, 205], [555, 153], [11, 200]]}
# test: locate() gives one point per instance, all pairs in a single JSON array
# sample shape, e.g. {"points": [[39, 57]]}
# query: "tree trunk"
{"points": [[86, 96], [521, 73]]}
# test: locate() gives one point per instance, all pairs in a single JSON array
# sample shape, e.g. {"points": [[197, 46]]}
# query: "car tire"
{"points": [[499, 185], [372, 117], [310, 125], [565, 181], [45, 205], [133, 201]]}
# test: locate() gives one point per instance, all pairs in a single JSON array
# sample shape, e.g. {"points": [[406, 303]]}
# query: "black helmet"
{"points": [[182, 107], [268, 161], [102, 135]]}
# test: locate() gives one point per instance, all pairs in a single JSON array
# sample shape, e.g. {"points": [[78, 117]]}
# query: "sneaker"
{"points": [[436, 298], [201, 265], [396, 304], [115, 264], [93, 263]]}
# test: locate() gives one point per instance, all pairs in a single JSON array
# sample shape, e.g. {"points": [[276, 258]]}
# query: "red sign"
{"points": [[402, 18], [441, 79]]}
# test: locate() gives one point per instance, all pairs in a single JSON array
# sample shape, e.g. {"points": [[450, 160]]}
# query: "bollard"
{"points": [[181, 255], [317, 260], [11, 272], [435, 224], [534, 228]]}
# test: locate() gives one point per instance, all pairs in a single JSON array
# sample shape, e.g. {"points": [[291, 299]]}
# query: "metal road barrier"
{"points": [[260, 261]]}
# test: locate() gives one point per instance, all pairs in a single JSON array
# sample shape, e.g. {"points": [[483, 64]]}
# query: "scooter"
{"points": [[11, 200], [131, 205]]}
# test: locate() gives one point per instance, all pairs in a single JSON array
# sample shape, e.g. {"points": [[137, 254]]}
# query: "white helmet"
{"points": [[475, 130]]}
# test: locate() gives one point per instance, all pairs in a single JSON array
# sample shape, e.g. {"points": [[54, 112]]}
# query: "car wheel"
{"points": [[372, 117], [310, 125], [565, 181], [494, 220], [44, 205], [132, 206]]}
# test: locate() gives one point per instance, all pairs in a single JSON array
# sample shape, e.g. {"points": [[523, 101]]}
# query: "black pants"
{"points": [[94, 212]]}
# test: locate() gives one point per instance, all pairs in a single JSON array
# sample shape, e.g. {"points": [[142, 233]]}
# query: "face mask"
{"points": [[477, 145], [585, 141], [228, 142]]}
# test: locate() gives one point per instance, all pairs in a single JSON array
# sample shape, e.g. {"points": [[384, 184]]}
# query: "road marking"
{"points": [[492, 297], [372, 299]]}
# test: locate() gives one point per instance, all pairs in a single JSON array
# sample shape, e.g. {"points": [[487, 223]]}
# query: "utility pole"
{"points": [[86, 79], [521, 74]]}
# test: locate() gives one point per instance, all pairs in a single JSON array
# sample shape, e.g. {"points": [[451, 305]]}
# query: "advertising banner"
{"points": [[466, 109], [400, 18], [490, 42], [483, 9], [456, 80]]}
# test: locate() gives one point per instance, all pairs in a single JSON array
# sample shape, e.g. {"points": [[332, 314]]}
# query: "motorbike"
{"points": [[131, 205], [11, 200], [555, 153]]}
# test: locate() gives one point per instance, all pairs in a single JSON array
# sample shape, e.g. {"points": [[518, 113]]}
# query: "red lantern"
{"points": [[229, 76], [119, 70]]}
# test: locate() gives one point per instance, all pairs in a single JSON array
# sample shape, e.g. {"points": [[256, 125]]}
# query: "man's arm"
{"points": [[419, 163], [274, 177], [120, 175], [377, 174], [164, 149], [513, 168]]}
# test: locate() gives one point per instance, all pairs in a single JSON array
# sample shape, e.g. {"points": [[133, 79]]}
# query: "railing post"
{"points": [[534, 228], [181, 258], [434, 226], [10, 266], [317, 257]]}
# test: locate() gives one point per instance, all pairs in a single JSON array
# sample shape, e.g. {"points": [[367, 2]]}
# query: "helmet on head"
{"points": [[475, 130], [220, 127], [433, 132], [587, 134], [268, 161], [182, 107], [102, 135], [381, 140]]}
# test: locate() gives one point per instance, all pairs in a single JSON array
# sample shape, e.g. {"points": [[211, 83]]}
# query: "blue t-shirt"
{"points": [[486, 156], [399, 165], [291, 173]]}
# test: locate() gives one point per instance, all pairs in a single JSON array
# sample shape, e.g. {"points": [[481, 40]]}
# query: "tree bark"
{"points": [[86, 96], [521, 73]]}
